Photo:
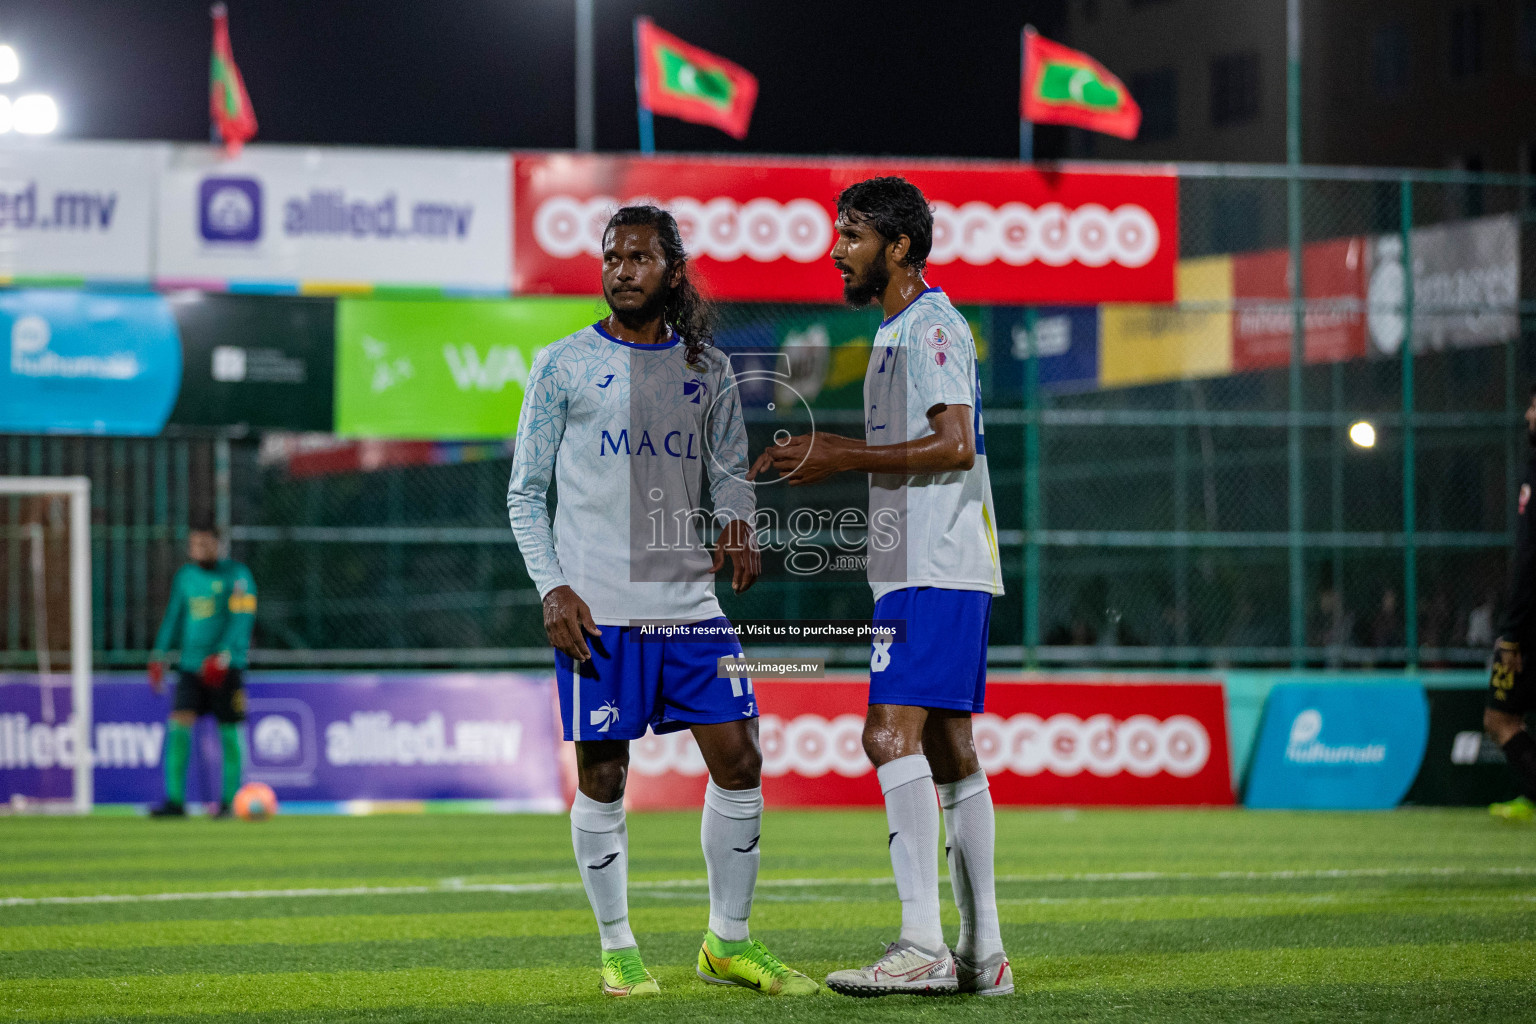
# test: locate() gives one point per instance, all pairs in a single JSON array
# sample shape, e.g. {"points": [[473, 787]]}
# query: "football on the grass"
{"points": [[255, 801]]}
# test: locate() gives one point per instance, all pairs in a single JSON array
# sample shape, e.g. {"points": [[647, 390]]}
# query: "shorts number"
{"points": [[881, 659]]}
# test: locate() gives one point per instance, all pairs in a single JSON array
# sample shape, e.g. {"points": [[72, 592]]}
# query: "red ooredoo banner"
{"points": [[1039, 742], [762, 231]]}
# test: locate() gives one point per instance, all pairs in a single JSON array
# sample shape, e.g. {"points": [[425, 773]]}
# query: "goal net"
{"points": [[45, 636]]}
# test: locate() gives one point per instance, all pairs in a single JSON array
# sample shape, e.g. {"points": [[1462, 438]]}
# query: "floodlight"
{"points": [[35, 114], [10, 64], [1362, 434]]}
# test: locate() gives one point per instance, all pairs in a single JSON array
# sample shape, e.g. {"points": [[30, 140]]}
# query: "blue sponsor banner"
{"points": [[83, 363], [1340, 746], [488, 736], [1066, 339]]}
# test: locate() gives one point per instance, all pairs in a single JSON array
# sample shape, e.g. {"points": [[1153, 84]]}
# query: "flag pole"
{"points": [[647, 122], [1026, 126]]}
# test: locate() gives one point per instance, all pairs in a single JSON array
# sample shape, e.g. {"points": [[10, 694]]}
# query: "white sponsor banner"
{"points": [[332, 218], [1466, 285], [78, 209]]}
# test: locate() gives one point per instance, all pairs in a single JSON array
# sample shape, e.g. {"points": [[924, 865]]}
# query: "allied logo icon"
{"points": [[229, 210]]}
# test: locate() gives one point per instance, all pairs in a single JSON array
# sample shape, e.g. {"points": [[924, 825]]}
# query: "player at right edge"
{"points": [[925, 454]]}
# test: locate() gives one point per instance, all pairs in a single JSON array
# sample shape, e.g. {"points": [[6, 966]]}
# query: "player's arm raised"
{"points": [[540, 429], [735, 501], [810, 458]]}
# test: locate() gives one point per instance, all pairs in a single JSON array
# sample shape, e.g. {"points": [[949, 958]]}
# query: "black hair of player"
{"points": [[893, 206], [201, 524], [687, 311]]}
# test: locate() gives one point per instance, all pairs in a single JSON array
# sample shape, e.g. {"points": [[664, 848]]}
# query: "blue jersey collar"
{"points": [[672, 335], [897, 315]]}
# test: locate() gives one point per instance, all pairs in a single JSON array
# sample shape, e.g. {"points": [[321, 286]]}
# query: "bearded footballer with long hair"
{"points": [[626, 416]]}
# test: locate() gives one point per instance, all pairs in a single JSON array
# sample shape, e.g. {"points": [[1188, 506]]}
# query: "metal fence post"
{"points": [[1031, 496], [1410, 512], [1293, 433]]}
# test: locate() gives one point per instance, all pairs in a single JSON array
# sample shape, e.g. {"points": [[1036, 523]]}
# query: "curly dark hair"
{"points": [[893, 206], [687, 311]]}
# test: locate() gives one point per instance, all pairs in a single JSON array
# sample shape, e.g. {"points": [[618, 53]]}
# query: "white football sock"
{"points": [[970, 836], [733, 822], [913, 814], [601, 841]]}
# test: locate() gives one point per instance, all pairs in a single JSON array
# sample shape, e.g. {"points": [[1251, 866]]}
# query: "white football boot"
{"points": [[990, 977], [903, 970]]}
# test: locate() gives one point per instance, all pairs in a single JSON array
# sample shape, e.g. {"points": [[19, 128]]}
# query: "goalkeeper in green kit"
{"points": [[212, 610]]}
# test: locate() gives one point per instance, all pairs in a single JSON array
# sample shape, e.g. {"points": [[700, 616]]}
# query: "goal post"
{"points": [[77, 489]]}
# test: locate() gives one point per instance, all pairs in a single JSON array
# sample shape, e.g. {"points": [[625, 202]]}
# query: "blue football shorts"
{"points": [[633, 683], [943, 661]]}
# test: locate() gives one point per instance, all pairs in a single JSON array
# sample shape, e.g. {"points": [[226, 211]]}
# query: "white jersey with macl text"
{"points": [[628, 433], [933, 529]]}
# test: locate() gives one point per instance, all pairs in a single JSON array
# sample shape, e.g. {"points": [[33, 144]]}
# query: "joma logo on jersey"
{"points": [[672, 444], [695, 388]]}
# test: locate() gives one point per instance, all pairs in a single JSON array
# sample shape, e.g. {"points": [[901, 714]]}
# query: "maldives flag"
{"points": [[683, 81], [228, 102], [1066, 86]]}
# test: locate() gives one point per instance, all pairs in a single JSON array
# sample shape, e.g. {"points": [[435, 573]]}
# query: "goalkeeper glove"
{"points": [[157, 676], [215, 669]]}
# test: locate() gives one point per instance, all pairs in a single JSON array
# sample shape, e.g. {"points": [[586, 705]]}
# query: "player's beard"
{"points": [[649, 312], [866, 288]]}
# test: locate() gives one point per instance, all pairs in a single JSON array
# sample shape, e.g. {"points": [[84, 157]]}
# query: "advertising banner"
{"points": [[1333, 281], [1142, 344], [87, 363], [433, 369], [1466, 285], [257, 361], [1066, 342], [1462, 766], [78, 211], [1340, 746], [314, 737], [1107, 742], [763, 230], [324, 220]]}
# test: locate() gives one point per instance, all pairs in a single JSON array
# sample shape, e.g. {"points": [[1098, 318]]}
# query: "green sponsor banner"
{"points": [[443, 369]]}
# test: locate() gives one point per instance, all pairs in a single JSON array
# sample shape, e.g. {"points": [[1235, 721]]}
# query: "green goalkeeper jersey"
{"points": [[211, 612]]}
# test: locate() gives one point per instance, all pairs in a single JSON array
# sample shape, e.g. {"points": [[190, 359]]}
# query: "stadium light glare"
{"points": [[35, 114], [1362, 434], [10, 64]]}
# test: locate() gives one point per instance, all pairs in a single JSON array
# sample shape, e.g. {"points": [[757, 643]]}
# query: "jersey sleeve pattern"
{"points": [[540, 428], [729, 488], [941, 360]]}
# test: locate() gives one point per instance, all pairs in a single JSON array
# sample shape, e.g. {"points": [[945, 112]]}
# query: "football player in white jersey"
{"points": [[626, 416], [933, 564]]}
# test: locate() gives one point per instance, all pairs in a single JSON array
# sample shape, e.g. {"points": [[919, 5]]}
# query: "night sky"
{"points": [[905, 79]]}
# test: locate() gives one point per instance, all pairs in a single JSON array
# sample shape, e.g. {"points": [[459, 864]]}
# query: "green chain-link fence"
{"points": [[1185, 494]]}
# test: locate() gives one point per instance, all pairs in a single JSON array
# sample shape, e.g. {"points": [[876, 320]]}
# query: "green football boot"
{"points": [[750, 965], [1518, 811], [624, 974]]}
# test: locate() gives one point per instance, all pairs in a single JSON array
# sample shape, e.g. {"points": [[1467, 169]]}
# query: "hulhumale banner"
{"points": [[1339, 746], [293, 219], [762, 230], [1113, 742], [78, 211], [315, 738], [87, 363]]}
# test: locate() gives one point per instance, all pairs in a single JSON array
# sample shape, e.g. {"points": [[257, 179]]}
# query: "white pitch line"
{"points": [[790, 883]]}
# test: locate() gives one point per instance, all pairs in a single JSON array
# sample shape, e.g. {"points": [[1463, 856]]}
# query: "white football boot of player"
{"points": [[903, 970], [990, 977]]}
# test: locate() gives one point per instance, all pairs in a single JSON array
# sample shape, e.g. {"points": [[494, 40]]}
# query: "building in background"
{"points": [[1404, 83]]}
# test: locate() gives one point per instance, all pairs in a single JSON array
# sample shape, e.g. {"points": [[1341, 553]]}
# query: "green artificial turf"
{"points": [[1107, 915]]}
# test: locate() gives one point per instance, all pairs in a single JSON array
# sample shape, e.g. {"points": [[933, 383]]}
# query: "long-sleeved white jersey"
{"points": [[626, 432]]}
